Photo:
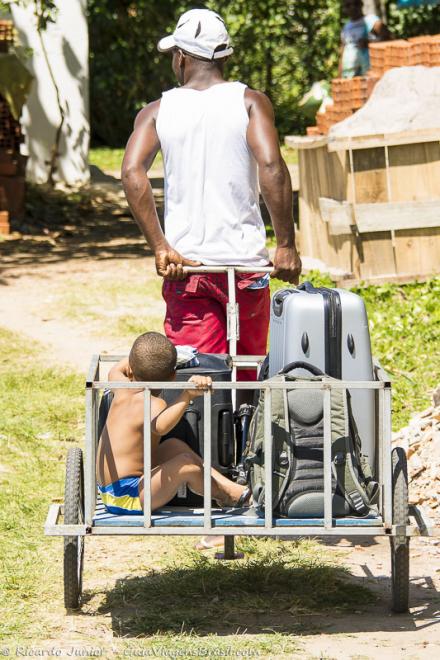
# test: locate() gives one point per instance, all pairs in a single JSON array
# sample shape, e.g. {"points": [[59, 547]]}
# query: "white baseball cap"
{"points": [[200, 32]]}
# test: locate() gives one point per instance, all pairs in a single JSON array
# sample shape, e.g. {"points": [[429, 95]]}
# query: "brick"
{"points": [[312, 130], [14, 192], [4, 223]]}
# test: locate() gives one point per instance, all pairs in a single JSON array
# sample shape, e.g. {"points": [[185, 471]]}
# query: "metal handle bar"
{"points": [[225, 269]]}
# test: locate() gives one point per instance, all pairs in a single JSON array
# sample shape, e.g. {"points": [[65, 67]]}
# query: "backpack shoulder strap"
{"points": [[344, 454]]}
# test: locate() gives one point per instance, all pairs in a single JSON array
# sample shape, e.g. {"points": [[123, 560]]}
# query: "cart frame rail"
{"points": [[328, 526]]}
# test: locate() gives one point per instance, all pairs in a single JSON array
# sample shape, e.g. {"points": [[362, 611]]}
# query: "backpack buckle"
{"points": [[339, 459], [357, 502]]}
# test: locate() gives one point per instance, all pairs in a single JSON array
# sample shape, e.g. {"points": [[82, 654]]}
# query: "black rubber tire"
{"points": [[400, 551], [73, 515]]}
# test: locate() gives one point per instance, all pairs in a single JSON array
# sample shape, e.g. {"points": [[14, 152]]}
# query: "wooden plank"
{"points": [[406, 278], [418, 250], [414, 172], [338, 215], [382, 139], [398, 215], [379, 217], [305, 141], [369, 176], [378, 255], [323, 175]]}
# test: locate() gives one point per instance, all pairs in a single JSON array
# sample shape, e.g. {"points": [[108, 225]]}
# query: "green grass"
{"points": [[192, 591], [40, 416], [110, 159], [290, 155], [405, 334]]}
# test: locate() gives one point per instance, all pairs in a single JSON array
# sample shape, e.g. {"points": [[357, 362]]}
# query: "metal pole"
{"points": [[232, 319], [379, 448], [328, 514], [387, 467], [90, 464], [147, 457], [229, 551], [207, 497], [268, 513]]}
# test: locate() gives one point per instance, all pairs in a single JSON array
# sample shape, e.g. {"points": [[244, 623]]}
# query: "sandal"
{"points": [[242, 501], [245, 499]]}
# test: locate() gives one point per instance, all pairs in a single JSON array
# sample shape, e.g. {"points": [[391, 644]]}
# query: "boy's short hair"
{"points": [[152, 357]]}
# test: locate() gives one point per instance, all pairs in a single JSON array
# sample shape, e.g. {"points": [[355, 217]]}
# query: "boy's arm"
{"points": [[167, 418], [171, 414], [120, 371]]}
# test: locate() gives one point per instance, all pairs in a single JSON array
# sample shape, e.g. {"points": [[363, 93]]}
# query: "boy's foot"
{"points": [[244, 500], [208, 542]]}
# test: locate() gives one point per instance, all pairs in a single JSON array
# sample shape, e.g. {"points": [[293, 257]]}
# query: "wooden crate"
{"points": [[371, 206]]}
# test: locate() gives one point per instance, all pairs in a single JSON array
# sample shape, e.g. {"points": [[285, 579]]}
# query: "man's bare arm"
{"points": [[140, 152], [275, 183]]}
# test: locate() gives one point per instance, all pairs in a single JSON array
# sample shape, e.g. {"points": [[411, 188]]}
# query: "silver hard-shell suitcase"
{"points": [[327, 328]]}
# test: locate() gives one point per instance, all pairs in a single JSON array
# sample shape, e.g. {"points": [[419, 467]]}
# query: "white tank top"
{"points": [[212, 211]]}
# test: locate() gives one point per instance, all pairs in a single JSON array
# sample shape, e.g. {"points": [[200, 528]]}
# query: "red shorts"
{"points": [[196, 315]]}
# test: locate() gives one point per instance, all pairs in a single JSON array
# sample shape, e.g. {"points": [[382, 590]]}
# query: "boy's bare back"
{"points": [[120, 452]]}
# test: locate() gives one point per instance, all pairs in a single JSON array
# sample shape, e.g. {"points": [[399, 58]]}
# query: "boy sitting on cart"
{"points": [[120, 461]]}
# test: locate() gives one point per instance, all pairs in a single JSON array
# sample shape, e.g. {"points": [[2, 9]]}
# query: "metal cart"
{"points": [[83, 514]]}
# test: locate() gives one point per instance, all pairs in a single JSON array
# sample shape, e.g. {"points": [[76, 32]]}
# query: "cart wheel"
{"points": [[73, 515], [400, 545]]}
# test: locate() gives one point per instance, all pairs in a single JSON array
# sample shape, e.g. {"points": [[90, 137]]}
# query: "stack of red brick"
{"points": [[416, 51], [12, 180], [350, 94]]}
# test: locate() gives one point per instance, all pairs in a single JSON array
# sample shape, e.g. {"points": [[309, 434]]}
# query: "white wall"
{"points": [[68, 50]]}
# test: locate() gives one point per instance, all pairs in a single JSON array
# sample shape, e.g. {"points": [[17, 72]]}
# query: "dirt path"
{"points": [[31, 277], [28, 304]]}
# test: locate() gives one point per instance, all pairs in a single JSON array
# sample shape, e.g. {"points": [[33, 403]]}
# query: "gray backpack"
{"points": [[298, 459]]}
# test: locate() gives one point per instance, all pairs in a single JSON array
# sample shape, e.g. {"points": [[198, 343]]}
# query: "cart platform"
{"points": [[178, 517]]}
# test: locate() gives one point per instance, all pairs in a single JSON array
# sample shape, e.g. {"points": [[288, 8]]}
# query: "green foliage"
{"points": [[414, 21], [405, 335], [281, 47], [45, 11], [126, 69]]}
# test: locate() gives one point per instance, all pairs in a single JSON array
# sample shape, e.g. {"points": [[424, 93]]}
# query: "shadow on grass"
{"points": [[268, 591]]}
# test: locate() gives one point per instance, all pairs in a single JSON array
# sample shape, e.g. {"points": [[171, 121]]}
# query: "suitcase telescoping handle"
{"points": [[302, 365], [308, 287]]}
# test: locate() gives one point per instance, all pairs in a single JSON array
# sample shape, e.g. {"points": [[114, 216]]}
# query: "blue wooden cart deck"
{"points": [[184, 517]]}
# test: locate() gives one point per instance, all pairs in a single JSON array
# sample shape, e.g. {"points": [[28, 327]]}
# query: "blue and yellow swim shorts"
{"points": [[122, 496]]}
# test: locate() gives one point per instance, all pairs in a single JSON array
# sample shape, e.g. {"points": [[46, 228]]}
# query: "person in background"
{"points": [[355, 36]]}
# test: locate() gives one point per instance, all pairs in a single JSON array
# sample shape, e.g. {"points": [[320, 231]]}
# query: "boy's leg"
{"points": [[184, 466], [225, 488]]}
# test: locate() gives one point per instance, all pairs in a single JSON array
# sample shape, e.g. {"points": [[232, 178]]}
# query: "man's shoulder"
{"points": [[148, 113], [255, 98]]}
